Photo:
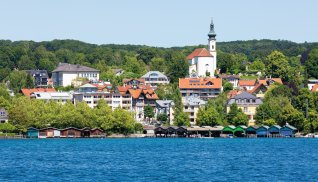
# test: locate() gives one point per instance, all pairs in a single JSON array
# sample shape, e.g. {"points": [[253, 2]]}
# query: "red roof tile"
{"points": [[247, 82], [200, 52], [200, 83], [315, 88], [27, 92]]}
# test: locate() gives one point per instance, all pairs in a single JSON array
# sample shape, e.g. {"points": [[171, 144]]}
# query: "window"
{"points": [[88, 102], [245, 109], [2, 113]]}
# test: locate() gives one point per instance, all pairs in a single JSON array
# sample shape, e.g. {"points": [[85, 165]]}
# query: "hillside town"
{"points": [[201, 88]]}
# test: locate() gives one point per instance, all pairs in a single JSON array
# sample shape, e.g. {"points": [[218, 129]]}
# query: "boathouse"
{"points": [[49, 132], [262, 131], [71, 132], [274, 131], [96, 133], [239, 131], [251, 131], [85, 132], [228, 130], [32, 133], [161, 131], [288, 131]]}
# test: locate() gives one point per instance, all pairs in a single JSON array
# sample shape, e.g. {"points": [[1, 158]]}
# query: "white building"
{"points": [[203, 61], [192, 105], [3, 115], [165, 107], [154, 78], [67, 74], [89, 93], [114, 100], [233, 79], [59, 97]]}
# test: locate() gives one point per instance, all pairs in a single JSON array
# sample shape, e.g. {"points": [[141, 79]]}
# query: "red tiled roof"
{"points": [[135, 93], [277, 80], [27, 92], [200, 52], [232, 93], [256, 88], [100, 88], [265, 81], [247, 82], [315, 88], [200, 83]]}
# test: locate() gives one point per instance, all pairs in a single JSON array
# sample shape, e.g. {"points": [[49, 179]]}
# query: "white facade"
{"points": [[59, 97], [68, 78], [202, 61], [69, 74], [154, 78], [114, 100]]}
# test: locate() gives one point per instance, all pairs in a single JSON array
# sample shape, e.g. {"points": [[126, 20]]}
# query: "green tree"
{"points": [[269, 122], [17, 80], [277, 65], [148, 112], [236, 116], [227, 86], [162, 117], [158, 64], [181, 119], [177, 66], [312, 63], [208, 116], [257, 65]]}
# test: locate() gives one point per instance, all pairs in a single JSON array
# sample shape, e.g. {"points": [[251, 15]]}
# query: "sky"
{"points": [[160, 23]]}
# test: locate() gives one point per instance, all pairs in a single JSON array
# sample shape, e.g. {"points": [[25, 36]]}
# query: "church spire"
{"points": [[212, 34]]}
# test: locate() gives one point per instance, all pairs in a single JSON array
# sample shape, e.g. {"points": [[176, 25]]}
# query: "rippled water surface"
{"points": [[159, 160]]}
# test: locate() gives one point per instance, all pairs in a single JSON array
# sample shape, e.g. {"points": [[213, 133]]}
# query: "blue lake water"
{"points": [[159, 159]]}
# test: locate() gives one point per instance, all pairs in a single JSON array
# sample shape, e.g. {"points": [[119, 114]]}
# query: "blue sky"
{"points": [[162, 23]]}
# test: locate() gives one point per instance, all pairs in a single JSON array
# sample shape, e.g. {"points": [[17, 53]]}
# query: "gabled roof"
{"points": [[27, 92], [200, 83], [245, 95], [141, 80], [165, 103], [87, 85], [232, 93], [154, 74], [290, 127], [247, 82], [200, 52], [65, 67], [267, 81], [315, 88], [194, 101], [257, 87], [135, 93], [264, 126], [224, 76]]}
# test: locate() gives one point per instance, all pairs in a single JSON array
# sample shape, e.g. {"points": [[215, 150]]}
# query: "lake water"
{"points": [[159, 159]]}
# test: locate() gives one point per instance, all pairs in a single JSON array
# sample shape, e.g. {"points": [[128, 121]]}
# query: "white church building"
{"points": [[203, 61]]}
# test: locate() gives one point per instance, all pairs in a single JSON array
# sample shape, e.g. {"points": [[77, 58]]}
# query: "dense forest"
{"points": [[233, 57]]}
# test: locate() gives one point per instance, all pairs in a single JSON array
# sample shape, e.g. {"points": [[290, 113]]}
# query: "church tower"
{"points": [[212, 43]]}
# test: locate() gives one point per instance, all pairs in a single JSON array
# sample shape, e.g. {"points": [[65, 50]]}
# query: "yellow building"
{"points": [[248, 103]]}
